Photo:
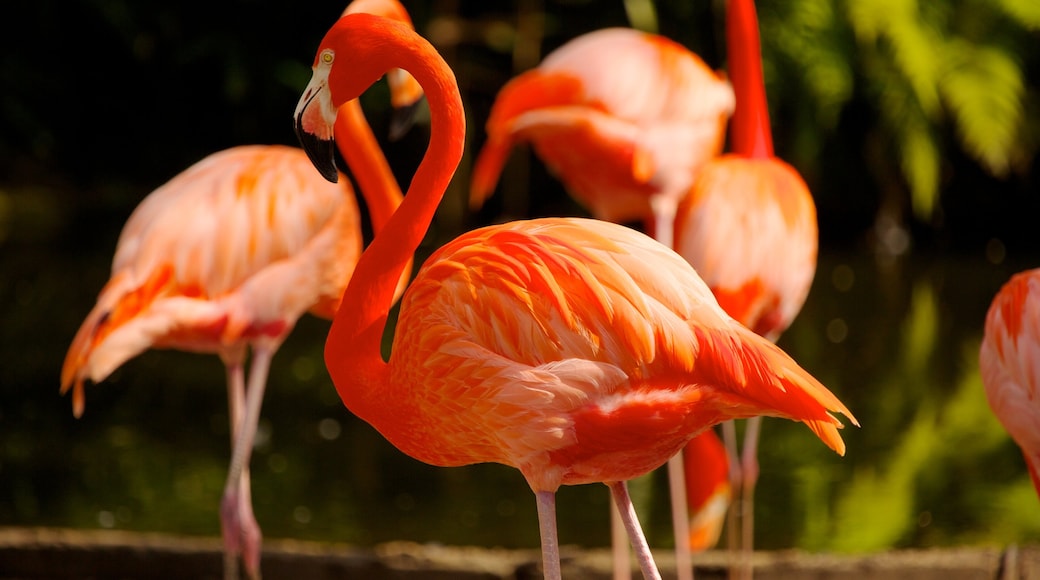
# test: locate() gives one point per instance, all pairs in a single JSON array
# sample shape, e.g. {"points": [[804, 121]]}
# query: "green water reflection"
{"points": [[897, 340]]}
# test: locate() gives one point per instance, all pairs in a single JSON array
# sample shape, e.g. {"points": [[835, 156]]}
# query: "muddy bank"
{"points": [[52, 553]]}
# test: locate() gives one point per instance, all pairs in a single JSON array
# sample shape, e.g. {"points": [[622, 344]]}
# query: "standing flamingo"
{"points": [[622, 117], [228, 255], [625, 119], [1009, 361], [748, 226], [575, 350]]}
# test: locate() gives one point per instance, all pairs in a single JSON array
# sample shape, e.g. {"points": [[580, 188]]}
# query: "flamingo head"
{"points": [[315, 117], [353, 55]]}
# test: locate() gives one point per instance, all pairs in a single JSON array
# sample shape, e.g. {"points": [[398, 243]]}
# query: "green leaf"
{"points": [[983, 89], [1025, 12]]}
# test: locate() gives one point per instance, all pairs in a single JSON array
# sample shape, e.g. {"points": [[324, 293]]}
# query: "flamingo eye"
{"points": [[327, 57]]}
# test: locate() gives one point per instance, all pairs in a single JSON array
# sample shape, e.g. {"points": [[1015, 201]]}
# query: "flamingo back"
{"points": [[762, 277], [235, 248], [615, 112], [576, 350], [1009, 361]]}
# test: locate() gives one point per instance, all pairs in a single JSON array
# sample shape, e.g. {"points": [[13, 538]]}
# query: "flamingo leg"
{"points": [[664, 207], [619, 489], [619, 545], [550, 539], [749, 477], [238, 524], [680, 517], [729, 439]]}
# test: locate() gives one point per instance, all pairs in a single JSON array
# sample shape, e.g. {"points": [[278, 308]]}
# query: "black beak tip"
{"points": [[321, 152]]}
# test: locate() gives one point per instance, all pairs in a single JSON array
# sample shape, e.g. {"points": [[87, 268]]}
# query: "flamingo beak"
{"points": [[314, 124]]}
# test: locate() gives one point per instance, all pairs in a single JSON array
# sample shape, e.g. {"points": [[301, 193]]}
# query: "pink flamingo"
{"points": [[1009, 361], [575, 350], [748, 226], [227, 256], [622, 117], [625, 119]]}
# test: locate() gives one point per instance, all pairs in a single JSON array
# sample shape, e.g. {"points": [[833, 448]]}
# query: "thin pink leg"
{"points": [[619, 489], [733, 519], [619, 545], [680, 517], [749, 469], [550, 539], [236, 408], [240, 529]]}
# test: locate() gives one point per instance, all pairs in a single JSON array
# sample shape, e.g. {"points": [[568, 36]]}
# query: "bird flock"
{"points": [[576, 350]]}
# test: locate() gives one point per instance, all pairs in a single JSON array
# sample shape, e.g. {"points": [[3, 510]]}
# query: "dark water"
{"points": [[896, 339]]}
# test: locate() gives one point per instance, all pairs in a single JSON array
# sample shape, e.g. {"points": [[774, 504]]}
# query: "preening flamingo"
{"points": [[622, 117], [575, 350], [748, 226], [1009, 361], [625, 119], [228, 255]]}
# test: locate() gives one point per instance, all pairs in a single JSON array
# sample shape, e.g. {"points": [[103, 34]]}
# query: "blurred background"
{"points": [[915, 124]]}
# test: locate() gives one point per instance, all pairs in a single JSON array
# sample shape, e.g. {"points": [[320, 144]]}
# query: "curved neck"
{"points": [[368, 165], [352, 352], [750, 133]]}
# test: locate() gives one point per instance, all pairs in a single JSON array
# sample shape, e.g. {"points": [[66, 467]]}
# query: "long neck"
{"points": [[367, 163], [352, 352], [750, 131]]}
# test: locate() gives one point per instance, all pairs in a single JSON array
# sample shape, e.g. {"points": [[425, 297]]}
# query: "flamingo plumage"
{"points": [[1009, 361], [226, 257], [622, 117], [574, 350], [748, 226]]}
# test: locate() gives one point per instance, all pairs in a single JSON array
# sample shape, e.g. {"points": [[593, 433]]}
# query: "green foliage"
{"points": [[924, 67]]}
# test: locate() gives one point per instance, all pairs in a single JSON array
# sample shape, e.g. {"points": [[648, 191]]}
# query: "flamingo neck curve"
{"points": [[359, 147], [376, 45]]}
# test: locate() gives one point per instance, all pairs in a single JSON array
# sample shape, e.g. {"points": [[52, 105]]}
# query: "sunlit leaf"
{"points": [[920, 160], [1026, 12], [983, 87]]}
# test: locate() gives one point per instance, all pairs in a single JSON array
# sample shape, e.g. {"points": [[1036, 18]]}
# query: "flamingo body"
{"points": [[576, 350], [197, 268], [1009, 361], [622, 117], [762, 276]]}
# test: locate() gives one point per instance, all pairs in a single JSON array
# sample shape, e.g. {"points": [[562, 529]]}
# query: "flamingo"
{"points": [[622, 117], [574, 350], [707, 488], [1009, 360], [227, 256], [625, 119], [748, 226]]}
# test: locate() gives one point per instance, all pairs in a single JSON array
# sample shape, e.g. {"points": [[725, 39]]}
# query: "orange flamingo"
{"points": [[575, 350], [625, 119], [228, 255], [1009, 361], [748, 226], [622, 117]]}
